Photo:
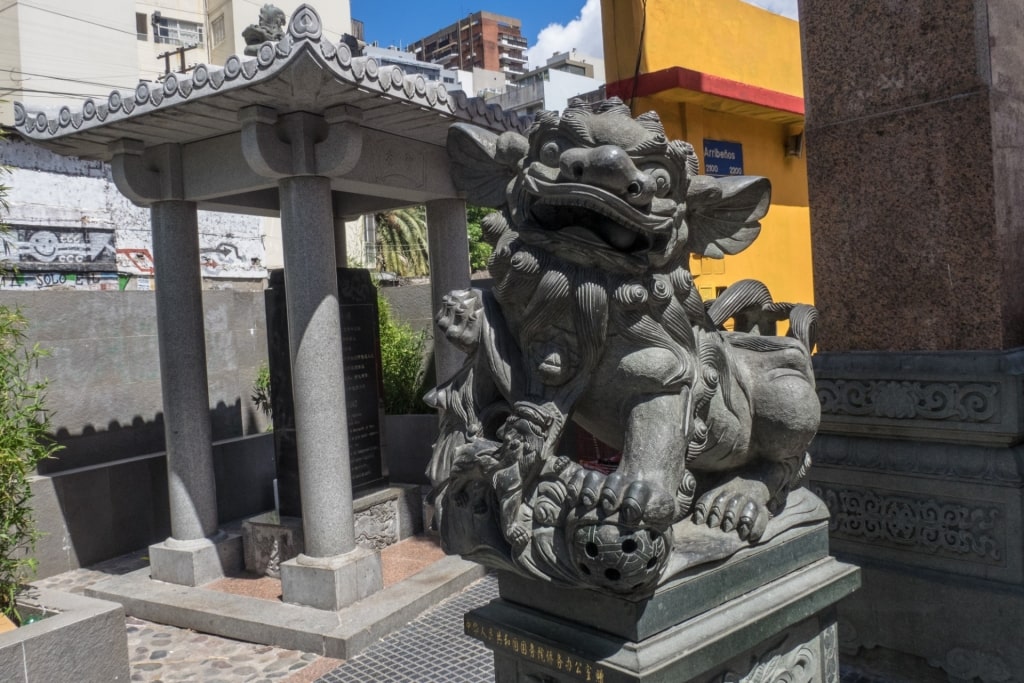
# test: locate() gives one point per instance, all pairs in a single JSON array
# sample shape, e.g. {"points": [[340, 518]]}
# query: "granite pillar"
{"points": [[311, 288], [914, 134], [333, 571], [302, 151], [448, 243], [197, 551]]}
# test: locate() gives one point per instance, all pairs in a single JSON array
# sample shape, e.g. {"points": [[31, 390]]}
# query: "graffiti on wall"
{"points": [[66, 250], [39, 280]]}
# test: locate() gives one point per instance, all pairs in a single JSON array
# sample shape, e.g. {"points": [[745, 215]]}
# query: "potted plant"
{"points": [[410, 425]]}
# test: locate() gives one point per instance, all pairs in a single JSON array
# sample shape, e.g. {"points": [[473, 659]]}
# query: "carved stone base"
{"points": [[783, 625], [381, 518], [919, 462]]}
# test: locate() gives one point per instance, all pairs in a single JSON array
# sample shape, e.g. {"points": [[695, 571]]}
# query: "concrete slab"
{"points": [[340, 634]]}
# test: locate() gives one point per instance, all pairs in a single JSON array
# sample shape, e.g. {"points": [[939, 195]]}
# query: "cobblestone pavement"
{"points": [[159, 653]]}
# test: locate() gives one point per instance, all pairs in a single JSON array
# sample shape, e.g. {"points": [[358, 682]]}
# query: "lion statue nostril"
{"points": [[635, 188]]}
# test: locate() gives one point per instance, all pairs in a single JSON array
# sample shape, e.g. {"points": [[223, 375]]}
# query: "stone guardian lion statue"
{"points": [[594, 318]]}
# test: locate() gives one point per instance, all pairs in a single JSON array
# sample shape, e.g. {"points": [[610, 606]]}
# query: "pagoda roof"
{"points": [[301, 72]]}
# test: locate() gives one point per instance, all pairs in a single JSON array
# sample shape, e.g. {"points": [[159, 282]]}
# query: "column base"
{"points": [[331, 583], [195, 562]]}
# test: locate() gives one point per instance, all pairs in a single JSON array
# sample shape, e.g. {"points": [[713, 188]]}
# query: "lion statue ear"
{"points": [[723, 214], [482, 163]]}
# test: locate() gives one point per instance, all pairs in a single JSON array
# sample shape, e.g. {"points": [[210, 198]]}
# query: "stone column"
{"points": [[301, 150], [914, 131], [311, 289], [197, 552], [449, 269]]}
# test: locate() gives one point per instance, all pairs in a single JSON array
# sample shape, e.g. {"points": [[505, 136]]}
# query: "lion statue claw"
{"points": [[594, 319]]}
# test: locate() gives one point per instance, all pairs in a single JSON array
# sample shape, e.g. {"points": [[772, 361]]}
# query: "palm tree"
{"points": [[402, 241]]}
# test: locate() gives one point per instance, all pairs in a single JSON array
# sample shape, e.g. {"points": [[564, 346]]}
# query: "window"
{"points": [[176, 31], [217, 30], [141, 26]]}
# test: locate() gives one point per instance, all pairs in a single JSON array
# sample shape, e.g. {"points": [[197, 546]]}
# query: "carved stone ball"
{"points": [[619, 558]]}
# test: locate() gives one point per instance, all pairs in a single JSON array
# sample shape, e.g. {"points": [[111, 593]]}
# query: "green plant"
{"points": [[24, 442], [402, 363], [479, 251], [261, 390]]}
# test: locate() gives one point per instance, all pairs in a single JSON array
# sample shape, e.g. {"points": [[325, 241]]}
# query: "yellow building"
{"points": [[726, 77]]}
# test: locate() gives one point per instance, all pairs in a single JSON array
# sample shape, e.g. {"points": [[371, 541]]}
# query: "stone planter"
{"points": [[80, 639], [407, 442]]}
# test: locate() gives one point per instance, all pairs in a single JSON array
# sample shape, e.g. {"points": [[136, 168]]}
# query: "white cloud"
{"points": [[786, 8], [582, 33]]}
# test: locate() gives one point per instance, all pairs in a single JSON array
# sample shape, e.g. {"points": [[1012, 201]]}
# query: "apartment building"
{"points": [[550, 87], [482, 40]]}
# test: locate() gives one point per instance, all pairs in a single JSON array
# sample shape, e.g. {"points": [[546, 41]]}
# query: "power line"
{"points": [[12, 71], [74, 18]]}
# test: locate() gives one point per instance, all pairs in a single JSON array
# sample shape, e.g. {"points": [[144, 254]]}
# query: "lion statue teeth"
{"points": [[594, 318]]}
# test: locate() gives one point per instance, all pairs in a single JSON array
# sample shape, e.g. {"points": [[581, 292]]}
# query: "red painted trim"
{"points": [[678, 77]]}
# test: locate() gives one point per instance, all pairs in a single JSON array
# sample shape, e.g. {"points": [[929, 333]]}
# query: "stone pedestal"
{"points": [[770, 607], [195, 562], [331, 583]]}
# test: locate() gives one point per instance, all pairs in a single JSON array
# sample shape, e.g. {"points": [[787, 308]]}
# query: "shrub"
{"points": [[479, 251], [24, 442], [402, 363], [261, 390]]}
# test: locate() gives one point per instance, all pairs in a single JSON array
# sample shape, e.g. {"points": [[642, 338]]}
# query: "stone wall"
{"points": [[104, 369]]}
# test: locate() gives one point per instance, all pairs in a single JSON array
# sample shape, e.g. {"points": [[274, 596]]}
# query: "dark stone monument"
{"points": [[361, 351], [700, 557]]}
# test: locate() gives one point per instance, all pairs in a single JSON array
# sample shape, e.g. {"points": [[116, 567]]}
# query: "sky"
{"points": [[549, 25]]}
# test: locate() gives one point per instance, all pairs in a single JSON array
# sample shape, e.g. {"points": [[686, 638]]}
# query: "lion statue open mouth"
{"points": [[594, 318]]}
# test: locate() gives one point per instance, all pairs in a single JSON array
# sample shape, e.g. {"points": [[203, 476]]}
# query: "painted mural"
{"points": [[69, 228]]}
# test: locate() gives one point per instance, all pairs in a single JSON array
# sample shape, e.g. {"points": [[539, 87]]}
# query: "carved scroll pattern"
{"points": [[377, 526], [929, 526], [829, 653], [798, 665], [960, 402]]}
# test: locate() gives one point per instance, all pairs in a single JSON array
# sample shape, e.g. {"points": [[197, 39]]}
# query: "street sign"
{"points": [[723, 158]]}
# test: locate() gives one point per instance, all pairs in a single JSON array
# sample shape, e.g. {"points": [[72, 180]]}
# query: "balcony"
{"points": [[515, 59], [512, 41]]}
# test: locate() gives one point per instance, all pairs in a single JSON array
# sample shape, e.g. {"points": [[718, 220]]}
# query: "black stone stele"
{"points": [[360, 344]]}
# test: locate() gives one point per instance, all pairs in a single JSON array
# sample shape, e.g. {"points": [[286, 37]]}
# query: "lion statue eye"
{"points": [[550, 153], [662, 180]]}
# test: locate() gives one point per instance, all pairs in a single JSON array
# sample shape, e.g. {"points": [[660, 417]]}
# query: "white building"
{"points": [[550, 87], [70, 228]]}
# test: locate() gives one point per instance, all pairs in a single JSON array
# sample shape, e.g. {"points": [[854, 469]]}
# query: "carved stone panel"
{"points": [[948, 528], [954, 397]]}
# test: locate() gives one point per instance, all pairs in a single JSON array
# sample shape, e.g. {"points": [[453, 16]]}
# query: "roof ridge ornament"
{"points": [[305, 24]]}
